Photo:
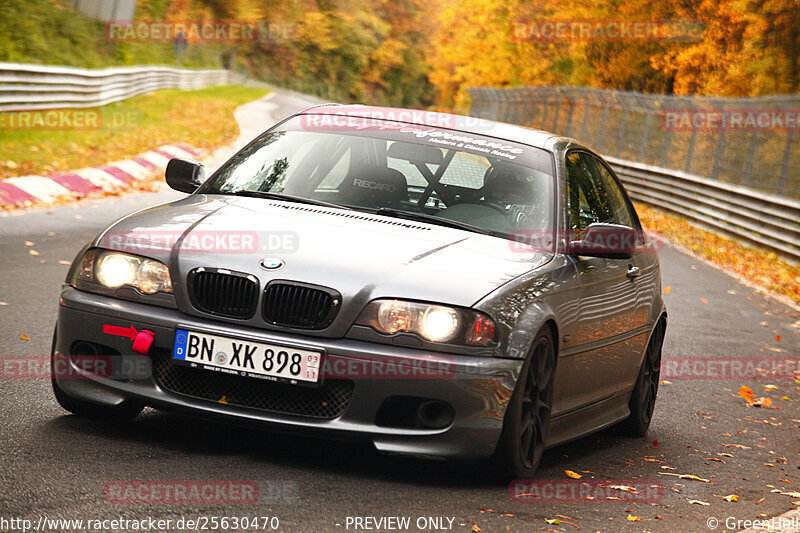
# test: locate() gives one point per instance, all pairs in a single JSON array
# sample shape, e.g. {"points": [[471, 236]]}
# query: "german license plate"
{"points": [[252, 359]]}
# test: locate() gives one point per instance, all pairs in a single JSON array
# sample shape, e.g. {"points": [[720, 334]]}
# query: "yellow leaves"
{"points": [[775, 274], [632, 518], [573, 475], [698, 502], [24, 337], [731, 498], [704, 300], [690, 477], [552, 521], [33, 252], [667, 289]]}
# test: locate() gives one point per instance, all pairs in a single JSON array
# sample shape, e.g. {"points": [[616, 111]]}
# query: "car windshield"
{"points": [[451, 178]]}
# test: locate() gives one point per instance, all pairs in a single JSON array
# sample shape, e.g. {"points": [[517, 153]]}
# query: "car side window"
{"points": [[614, 196], [592, 194]]}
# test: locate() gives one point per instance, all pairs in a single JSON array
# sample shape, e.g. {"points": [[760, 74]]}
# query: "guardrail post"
{"points": [[587, 107], [602, 129], [557, 97], [751, 154], [787, 151]]}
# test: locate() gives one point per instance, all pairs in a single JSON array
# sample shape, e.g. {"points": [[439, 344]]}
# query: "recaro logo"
{"points": [[374, 185]]}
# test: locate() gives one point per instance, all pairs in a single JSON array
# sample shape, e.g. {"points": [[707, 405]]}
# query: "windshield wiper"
{"points": [[433, 219], [285, 197]]}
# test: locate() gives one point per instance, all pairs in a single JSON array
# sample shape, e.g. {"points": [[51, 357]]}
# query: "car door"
{"points": [[598, 351]]}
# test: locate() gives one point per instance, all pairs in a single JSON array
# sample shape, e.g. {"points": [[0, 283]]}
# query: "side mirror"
{"points": [[185, 176], [606, 240]]}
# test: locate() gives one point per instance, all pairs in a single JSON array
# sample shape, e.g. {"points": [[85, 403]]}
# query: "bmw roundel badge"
{"points": [[271, 263]]}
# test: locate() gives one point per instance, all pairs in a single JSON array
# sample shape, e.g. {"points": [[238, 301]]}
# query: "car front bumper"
{"points": [[477, 388]]}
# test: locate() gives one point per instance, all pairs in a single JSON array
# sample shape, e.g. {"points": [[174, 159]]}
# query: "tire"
{"points": [[643, 396], [120, 414], [527, 418]]}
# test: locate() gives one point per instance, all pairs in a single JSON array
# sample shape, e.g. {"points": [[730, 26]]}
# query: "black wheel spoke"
{"points": [[535, 403]]}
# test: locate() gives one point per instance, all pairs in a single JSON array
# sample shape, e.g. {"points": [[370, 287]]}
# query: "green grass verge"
{"points": [[36, 142]]}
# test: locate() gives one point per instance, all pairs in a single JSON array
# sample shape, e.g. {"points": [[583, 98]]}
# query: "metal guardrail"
{"points": [[660, 130], [759, 218], [718, 202], [28, 87]]}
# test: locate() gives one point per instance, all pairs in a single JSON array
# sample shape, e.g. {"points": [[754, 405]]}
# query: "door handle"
{"points": [[633, 272]]}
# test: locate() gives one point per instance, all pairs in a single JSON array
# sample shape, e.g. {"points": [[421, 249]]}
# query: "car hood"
{"points": [[362, 256]]}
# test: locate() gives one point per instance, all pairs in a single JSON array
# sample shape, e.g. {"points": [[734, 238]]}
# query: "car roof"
{"points": [[421, 117]]}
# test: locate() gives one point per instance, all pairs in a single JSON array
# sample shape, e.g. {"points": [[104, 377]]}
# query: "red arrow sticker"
{"points": [[120, 331]]}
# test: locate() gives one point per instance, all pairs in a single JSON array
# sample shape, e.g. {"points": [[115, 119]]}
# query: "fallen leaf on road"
{"points": [[667, 289], [731, 498], [33, 252], [573, 475], [552, 521], [655, 443], [742, 446], [778, 338], [685, 476], [770, 387], [62, 262], [24, 337], [747, 393], [698, 502], [665, 382], [653, 460], [632, 518], [28, 243], [721, 454], [792, 494], [665, 467], [715, 459], [3, 303], [762, 402], [625, 488], [704, 300]]}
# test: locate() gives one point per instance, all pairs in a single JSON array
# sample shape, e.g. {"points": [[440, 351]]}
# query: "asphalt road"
{"points": [[56, 465]]}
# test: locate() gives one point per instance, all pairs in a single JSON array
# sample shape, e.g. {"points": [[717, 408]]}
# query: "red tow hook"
{"points": [[142, 341]]}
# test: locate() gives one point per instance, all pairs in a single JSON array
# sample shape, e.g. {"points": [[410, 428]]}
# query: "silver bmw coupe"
{"points": [[434, 284]]}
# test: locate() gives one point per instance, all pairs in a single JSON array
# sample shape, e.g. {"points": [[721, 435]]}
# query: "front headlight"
{"points": [[435, 323], [116, 269]]}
